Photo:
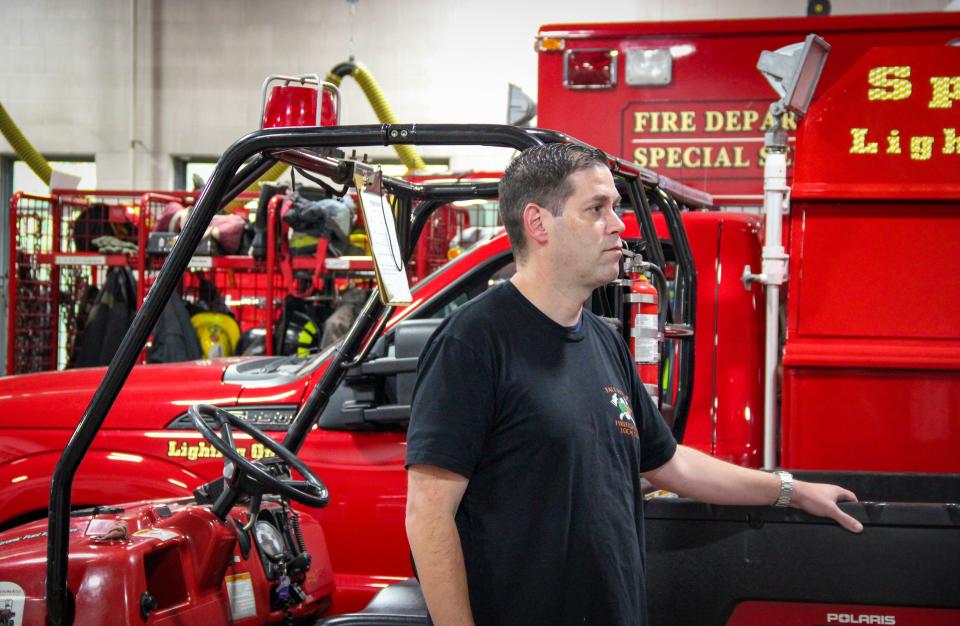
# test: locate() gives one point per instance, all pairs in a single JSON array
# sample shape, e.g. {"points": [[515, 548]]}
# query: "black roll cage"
{"points": [[309, 148]]}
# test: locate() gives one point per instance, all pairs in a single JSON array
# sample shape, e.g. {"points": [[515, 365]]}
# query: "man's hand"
{"points": [[696, 475], [821, 500]]}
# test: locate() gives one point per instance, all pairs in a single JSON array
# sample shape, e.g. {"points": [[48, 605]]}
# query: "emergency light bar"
{"points": [[289, 105]]}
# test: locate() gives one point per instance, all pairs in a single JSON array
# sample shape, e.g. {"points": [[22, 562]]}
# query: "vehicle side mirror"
{"points": [[380, 390]]}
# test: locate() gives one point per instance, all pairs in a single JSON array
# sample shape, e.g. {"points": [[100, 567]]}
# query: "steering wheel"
{"points": [[311, 491]]}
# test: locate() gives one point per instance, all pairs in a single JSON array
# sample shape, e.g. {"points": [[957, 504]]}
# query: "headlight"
{"points": [[270, 540]]}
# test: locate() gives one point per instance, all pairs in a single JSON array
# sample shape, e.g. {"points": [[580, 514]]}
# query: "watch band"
{"points": [[786, 488]]}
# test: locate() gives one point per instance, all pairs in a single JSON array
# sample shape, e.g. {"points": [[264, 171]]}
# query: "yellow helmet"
{"points": [[218, 333]]}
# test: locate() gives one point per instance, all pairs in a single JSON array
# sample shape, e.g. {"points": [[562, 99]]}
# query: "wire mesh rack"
{"points": [[65, 247]]}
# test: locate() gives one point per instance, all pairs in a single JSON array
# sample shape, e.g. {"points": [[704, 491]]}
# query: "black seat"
{"points": [[400, 604]]}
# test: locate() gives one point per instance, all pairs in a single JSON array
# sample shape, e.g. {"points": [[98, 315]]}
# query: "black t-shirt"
{"points": [[552, 427]]}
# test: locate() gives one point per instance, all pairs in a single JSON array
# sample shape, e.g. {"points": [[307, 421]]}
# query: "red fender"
{"points": [[105, 477]]}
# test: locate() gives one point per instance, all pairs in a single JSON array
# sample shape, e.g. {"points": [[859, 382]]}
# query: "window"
{"points": [[190, 173], [492, 273], [380, 398], [24, 179]]}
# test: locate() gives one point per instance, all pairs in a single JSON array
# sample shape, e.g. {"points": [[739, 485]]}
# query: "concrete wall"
{"points": [[66, 66]]}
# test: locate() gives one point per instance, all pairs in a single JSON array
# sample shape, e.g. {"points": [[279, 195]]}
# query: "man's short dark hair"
{"points": [[541, 175]]}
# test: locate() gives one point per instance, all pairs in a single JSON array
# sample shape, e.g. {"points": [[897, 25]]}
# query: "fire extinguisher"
{"points": [[644, 326]]}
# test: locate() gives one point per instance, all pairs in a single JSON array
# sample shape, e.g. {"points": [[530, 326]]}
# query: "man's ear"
{"points": [[534, 225]]}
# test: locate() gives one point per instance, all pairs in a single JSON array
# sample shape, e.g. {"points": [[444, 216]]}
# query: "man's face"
{"points": [[584, 241]]}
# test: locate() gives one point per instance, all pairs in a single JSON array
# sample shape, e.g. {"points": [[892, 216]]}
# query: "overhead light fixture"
{"points": [[794, 71], [818, 7]]}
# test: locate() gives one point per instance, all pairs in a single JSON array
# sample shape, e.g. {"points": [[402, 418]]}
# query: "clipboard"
{"points": [[380, 226]]}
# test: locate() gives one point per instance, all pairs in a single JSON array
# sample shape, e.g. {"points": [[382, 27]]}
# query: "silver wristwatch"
{"points": [[786, 488]]}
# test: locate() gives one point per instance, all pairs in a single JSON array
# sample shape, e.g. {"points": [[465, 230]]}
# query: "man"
{"points": [[530, 429]]}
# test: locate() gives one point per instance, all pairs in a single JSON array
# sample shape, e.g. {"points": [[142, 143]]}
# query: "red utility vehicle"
{"points": [[359, 391], [149, 438], [686, 99]]}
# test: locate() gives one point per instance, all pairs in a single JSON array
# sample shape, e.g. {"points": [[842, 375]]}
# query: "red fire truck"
{"points": [[685, 98]]}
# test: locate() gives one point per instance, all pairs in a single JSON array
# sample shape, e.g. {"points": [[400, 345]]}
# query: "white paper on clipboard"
{"points": [[381, 230]]}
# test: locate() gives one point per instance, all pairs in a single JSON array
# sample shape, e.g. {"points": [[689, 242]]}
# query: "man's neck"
{"points": [[560, 302]]}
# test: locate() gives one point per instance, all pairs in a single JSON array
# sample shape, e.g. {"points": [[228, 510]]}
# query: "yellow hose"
{"points": [[272, 174], [408, 155], [23, 148]]}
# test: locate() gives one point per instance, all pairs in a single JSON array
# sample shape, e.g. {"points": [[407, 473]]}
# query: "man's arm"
{"points": [[696, 475], [433, 495]]}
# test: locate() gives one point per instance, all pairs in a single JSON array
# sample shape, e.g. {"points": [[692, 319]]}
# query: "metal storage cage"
{"points": [[56, 270]]}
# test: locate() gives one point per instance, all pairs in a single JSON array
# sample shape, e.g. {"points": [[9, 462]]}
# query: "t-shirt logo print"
{"points": [[624, 420], [626, 413]]}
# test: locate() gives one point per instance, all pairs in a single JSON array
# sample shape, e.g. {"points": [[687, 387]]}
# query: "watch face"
{"points": [[269, 540]]}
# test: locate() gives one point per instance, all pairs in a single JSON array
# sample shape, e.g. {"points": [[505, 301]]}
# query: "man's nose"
{"points": [[614, 223]]}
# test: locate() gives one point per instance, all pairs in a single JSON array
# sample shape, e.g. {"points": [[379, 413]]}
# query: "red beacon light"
{"points": [[299, 101], [590, 69]]}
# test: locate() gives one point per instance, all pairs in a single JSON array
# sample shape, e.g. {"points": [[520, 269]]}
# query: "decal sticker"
{"points": [[11, 604], [647, 350], [243, 603], [202, 450], [893, 82], [26, 537], [689, 140], [815, 614], [156, 533]]}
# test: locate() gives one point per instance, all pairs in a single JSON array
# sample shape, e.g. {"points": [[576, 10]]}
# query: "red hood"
{"points": [[151, 396]]}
